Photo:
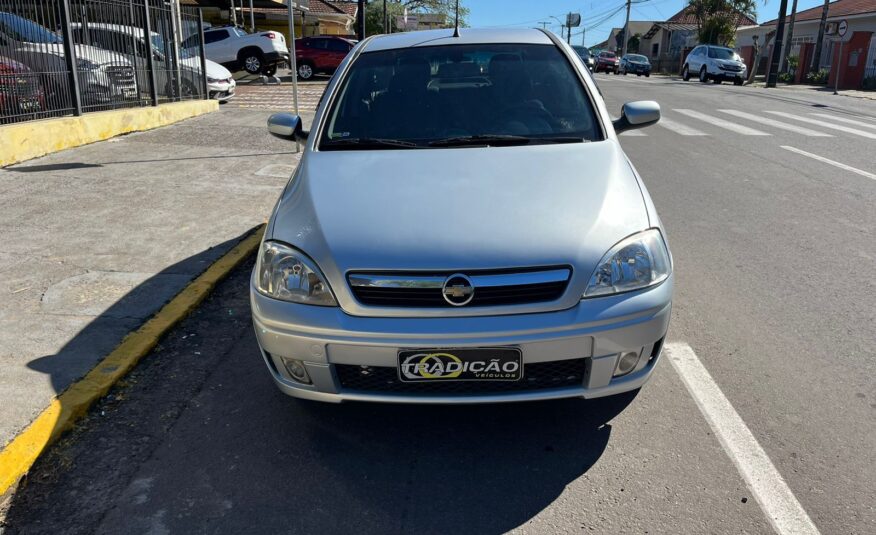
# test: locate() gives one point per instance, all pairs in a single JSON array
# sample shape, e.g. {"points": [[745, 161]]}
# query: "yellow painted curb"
{"points": [[18, 456], [23, 141]]}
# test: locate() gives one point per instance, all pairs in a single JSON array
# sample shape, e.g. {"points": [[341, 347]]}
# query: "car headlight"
{"points": [[213, 80], [86, 65], [287, 274], [639, 261]]}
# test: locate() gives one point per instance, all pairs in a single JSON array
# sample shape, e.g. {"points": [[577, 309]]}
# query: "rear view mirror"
{"points": [[637, 114], [287, 126]]}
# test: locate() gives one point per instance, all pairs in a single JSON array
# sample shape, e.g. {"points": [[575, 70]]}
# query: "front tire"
{"points": [[253, 63], [704, 75], [737, 81], [685, 73], [305, 71], [270, 70]]}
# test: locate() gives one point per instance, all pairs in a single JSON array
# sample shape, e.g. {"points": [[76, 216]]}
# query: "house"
{"points": [[312, 17], [858, 61], [615, 38], [667, 43]]}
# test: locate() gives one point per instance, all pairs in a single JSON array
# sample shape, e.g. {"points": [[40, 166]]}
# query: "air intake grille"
{"points": [[489, 288], [536, 376]]}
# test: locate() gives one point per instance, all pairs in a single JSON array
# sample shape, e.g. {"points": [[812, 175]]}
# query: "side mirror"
{"points": [[287, 126], [637, 114]]}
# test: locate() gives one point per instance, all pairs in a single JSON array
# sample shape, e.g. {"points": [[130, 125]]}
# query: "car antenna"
{"points": [[456, 24]]}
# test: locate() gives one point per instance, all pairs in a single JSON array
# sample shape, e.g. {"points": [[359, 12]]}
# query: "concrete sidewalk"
{"points": [[97, 238]]}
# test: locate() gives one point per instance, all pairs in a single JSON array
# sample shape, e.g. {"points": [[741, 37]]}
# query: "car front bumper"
{"points": [[731, 75], [595, 332], [221, 91]]}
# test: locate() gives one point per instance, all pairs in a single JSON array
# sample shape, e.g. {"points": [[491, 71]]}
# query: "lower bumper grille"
{"points": [[536, 376]]}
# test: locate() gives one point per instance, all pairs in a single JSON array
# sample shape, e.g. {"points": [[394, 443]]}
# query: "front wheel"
{"points": [[305, 71], [704, 75], [685, 73], [737, 81], [253, 63], [270, 70], [647, 75]]}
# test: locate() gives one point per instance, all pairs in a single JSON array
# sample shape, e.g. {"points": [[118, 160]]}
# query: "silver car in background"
{"points": [[463, 227]]}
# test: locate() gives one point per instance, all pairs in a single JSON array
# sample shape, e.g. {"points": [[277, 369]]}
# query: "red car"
{"points": [[320, 55], [21, 93], [607, 62]]}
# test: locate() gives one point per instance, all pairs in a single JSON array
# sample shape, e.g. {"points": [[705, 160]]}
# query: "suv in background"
{"points": [[231, 47], [320, 55], [716, 63], [606, 61]]}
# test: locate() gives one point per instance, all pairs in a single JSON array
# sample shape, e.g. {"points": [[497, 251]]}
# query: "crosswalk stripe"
{"points": [[871, 135], [717, 121], [845, 120], [634, 133], [776, 124], [679, 128]]}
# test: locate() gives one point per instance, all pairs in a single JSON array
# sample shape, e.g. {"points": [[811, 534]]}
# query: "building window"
{"points": [[655, 50]]}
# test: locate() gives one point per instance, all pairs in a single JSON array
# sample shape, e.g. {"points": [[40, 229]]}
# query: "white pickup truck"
{"points": [[256, 53]]}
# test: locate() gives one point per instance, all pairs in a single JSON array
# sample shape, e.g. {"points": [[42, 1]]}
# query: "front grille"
{"points": [[536, 376], [491, 288]]}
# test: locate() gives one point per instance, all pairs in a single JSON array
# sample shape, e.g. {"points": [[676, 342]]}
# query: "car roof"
{"points": [[130, 30], [467, 36]]}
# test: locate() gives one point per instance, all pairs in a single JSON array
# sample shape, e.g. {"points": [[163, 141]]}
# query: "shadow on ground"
{"points": [[199, 440]]}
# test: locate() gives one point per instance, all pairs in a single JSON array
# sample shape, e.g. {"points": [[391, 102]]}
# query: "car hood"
{"points": [[461, 208], [214, 70]]}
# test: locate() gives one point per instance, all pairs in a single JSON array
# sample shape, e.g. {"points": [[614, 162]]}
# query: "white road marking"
{"points": [[845, 120], [679, 128], [871, 135], [776, 124], [717, 121], [634, 133], [779, 504], [831, 162]]}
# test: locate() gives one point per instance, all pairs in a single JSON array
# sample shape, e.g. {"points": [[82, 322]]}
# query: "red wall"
{"points": [[851, 77]]}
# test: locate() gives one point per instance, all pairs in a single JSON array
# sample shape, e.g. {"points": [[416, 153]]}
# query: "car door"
{"points": [[216, 46], [319, 53], [694, 59], [336, 51]]}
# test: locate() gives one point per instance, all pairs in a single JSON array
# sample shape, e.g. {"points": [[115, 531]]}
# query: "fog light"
{"points": [[626, 363], [297, 370]]}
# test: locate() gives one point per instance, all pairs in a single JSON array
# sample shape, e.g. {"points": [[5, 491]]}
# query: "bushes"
{"points": [[819, 77], [786, 77]]}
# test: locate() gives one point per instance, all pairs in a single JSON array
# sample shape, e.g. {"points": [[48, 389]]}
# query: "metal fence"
{"points": [[68, 57]]}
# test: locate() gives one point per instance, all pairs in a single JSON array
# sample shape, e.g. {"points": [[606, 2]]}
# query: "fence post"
{"points": [[150, 56], [70, 56], [203, 53]]}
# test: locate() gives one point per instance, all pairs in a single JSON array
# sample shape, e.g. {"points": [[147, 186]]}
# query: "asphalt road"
{"points": [[774, 255]]}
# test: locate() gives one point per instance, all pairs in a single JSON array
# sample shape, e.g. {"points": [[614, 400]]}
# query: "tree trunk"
{"points": [[787, 51], [816, 57]]}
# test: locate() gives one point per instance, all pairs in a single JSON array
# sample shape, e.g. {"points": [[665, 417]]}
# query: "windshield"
{"points": [[637, 57], [426, 96], [722, 53], [582, 51], [24, 30]]}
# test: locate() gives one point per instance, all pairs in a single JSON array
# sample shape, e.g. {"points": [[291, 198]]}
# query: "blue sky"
{"points": [[596, 14]]}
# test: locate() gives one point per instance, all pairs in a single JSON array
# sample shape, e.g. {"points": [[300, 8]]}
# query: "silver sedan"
{"points": [[463, 227]]}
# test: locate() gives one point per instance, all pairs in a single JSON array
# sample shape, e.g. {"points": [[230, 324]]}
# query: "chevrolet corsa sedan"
{"points": [[463, 227]]}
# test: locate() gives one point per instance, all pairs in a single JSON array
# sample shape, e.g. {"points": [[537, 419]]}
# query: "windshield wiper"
{"points": [[480, 140], [367, 143], [502, 140]]}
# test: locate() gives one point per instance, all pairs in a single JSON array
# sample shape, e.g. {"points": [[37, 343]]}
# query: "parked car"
{"points": [[716, 63], [635, 64], [20, 90], [606, 61], [499, 247], [233, 48], [131, 41], [320, 55], [104, 77], [585, 55]]}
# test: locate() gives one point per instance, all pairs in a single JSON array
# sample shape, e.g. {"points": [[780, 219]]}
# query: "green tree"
{"points": [[718, 20], [394, 8]]}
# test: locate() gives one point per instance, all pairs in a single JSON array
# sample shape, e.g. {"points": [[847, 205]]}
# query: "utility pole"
{"points": [[569, 24], [627, 29], [544, 25], [787, 53], [252, 18], [816, 57], [292, 60], [385, 28], [777, 46], [360, 20], [233, 14]]}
